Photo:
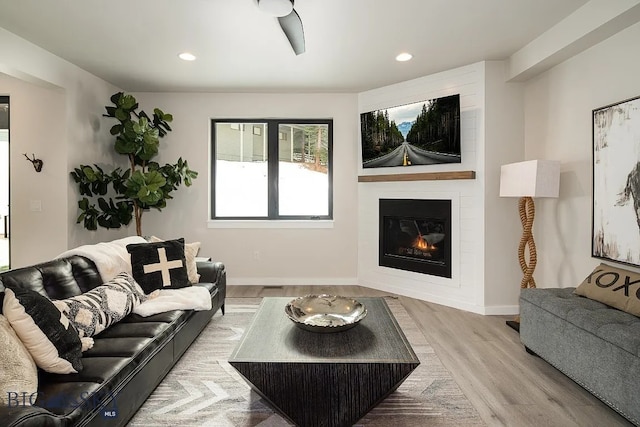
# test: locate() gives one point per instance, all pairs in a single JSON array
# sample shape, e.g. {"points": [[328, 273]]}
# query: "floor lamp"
{"points": [[526, 180]]}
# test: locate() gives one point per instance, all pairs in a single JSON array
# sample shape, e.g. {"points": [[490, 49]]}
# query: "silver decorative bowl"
{"points": [[325, 313]]}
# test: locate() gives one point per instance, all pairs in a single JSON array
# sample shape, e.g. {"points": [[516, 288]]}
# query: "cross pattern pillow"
{"points": [[159, 265], [101, 307], [47, 334], [616, 287], [190, 253]]}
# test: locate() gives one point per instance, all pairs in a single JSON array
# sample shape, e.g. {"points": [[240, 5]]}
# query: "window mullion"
{"points": [[273, 156]]}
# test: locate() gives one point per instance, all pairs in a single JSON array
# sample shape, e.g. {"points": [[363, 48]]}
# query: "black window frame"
{"points": [[273, 126]]}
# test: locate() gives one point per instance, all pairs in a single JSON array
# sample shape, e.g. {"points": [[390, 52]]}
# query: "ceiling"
{"points": [[350, 44]]}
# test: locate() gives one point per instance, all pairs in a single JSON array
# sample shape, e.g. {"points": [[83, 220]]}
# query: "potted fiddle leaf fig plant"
{"points": [[144, 184]]}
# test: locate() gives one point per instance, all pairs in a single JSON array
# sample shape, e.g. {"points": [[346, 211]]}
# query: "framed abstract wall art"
{"points": [[616, 182]]}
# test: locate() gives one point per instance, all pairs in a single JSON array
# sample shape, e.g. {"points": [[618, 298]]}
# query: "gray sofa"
{"points": [[593, 344]]}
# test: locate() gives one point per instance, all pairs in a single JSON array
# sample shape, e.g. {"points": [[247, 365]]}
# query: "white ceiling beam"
{"points": [[594, 22]]}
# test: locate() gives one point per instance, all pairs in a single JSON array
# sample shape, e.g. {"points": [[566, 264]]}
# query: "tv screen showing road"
{"points": [[422, 133]]}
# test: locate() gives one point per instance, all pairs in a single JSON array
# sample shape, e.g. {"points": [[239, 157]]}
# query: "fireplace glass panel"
{"points": [[415, 235], [422, 239]]}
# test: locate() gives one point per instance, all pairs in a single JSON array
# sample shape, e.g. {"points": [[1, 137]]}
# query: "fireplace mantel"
{"points": [[425, 176]]}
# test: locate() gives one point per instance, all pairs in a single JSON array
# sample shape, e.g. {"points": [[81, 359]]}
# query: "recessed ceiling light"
{"points": [[186, 56], [404, 56]]}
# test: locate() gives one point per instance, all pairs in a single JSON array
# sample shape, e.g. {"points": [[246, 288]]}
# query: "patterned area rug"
{"points": [[204, 390]]}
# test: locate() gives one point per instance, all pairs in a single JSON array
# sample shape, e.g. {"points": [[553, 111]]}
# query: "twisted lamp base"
{"points": [[527, 211]]}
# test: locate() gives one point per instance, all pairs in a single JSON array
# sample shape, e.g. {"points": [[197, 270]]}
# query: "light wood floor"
{"points": [[506, 385]]}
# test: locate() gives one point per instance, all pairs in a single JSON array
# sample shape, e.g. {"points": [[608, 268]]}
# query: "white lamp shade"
{"points": [[532, 178]]}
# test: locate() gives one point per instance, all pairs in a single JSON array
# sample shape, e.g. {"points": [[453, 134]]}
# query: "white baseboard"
{"points": [[502, 310], [292, 281], [436, 299], [446, 301]]}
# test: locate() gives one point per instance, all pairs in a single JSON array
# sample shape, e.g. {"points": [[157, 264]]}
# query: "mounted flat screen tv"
{"points": [[422, 133]]}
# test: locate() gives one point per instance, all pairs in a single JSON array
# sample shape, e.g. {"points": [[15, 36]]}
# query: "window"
{"points": [[280, 169]]}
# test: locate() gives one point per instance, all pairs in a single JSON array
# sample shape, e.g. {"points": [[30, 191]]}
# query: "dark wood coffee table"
{"points": [[316, 379]]}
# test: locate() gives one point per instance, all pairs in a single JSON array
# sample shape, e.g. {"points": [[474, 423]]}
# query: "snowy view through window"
{"points": [[242, 164]]}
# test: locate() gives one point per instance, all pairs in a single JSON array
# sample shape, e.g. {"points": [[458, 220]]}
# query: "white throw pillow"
{"points": [[18, 372]]}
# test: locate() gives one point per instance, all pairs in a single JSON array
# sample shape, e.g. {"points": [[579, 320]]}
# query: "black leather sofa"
{"points": [[128, 360]]}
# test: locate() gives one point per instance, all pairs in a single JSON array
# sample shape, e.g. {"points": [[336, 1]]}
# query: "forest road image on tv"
{"points": [[422, 133]]}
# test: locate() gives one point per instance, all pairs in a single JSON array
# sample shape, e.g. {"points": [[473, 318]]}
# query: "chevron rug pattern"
{"points": [[204, 390]]}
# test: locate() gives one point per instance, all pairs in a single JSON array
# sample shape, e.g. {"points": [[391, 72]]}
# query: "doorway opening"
{"points": [[5, 260]]}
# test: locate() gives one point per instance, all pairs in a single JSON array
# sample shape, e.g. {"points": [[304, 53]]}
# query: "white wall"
{"points": [[36, 127], [66, 103], [56, 111], [286, 256], [558, 106], [504, 143]]}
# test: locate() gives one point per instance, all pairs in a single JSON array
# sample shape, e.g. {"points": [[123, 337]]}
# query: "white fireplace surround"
{"points": [[490, 123], [408, 283]]}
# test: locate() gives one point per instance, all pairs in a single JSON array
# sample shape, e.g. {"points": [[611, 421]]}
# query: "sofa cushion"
{"points": [[18, 373], [190, 252], [613, 286], [75, 395], [613, 326], [101, 307], [119, 347], [138, 329], [69, 399], [159, 265], [166, 317], [50, 338], [95, 369]]}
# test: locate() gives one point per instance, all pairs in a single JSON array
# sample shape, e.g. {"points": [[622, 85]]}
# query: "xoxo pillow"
{"points": [[616, 287]]}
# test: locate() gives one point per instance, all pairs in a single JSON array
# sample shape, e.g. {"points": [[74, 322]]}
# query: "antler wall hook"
{"points": [[37, 163]]}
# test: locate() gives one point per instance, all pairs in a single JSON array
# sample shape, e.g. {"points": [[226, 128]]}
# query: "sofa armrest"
{"points": [[214, 272], [210, 271], [28, 416]]}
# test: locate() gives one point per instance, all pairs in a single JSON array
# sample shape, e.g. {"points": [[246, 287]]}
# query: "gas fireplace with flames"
{"points": [[415, 235]]}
